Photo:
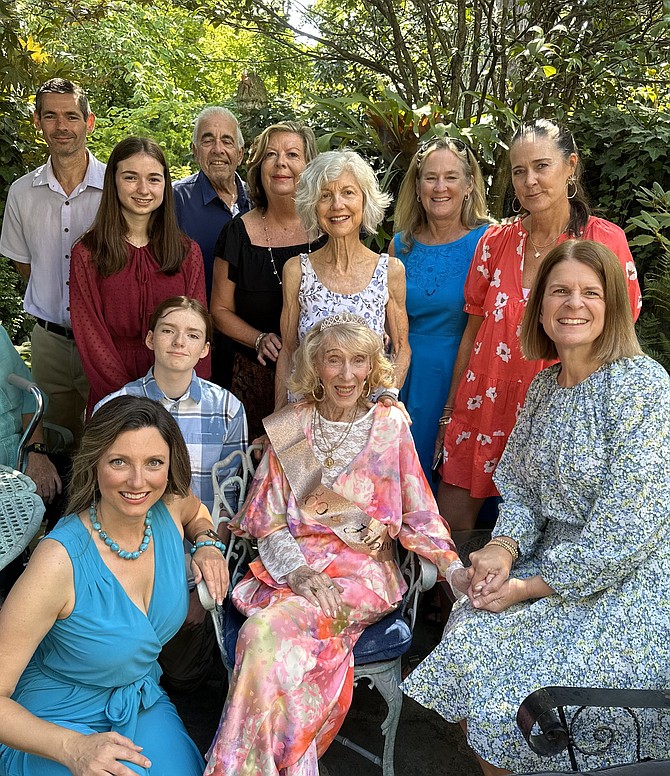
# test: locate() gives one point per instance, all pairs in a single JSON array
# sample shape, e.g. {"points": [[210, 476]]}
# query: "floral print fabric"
{"points": [[293, 673], [585, 480], [318, 302], [493, 387]]}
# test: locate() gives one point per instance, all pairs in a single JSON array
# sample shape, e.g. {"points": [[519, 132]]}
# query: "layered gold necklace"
{"points": [[329, 446]]}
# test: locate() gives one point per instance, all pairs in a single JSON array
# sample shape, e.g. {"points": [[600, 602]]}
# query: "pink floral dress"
{"points": [[493, 388], [293, 676]]}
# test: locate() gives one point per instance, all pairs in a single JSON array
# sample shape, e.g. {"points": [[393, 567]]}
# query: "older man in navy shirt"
{"points": [[208, 200]]}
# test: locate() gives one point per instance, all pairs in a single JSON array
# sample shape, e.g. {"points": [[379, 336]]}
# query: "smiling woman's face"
{"points": [[573, 307], [283, 163], [343, 374], [340, 206]]}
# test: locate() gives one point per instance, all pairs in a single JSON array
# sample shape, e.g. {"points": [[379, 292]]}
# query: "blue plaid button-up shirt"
{"points": [[211, 420]]}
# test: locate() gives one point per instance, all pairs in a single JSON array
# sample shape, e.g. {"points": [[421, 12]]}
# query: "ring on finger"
{"points": [[331, 587], [314, 590]]}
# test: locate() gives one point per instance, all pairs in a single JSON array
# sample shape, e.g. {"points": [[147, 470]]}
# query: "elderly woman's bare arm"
{"points": [[396, 320], [289, 328]]}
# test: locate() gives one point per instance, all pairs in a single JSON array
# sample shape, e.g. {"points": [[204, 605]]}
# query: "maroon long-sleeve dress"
{"points": [[110, 316]]}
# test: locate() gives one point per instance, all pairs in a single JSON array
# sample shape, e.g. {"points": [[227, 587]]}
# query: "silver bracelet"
{"points": [[259, 340]]}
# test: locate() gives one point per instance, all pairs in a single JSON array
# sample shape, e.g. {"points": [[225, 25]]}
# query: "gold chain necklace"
{"points": [[539, 248], [329, 462]]}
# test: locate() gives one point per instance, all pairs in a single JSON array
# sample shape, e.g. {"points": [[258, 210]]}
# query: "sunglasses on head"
{"points": [[452, 143]]}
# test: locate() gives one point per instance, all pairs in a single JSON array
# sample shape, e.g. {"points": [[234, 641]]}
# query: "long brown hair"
{"points": [[106, 238]]}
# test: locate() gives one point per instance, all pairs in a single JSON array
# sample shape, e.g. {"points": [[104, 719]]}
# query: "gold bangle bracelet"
{"points": [[508, 545]]}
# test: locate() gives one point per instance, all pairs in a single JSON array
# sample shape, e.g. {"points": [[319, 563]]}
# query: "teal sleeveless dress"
{"points": [[97, 669]]}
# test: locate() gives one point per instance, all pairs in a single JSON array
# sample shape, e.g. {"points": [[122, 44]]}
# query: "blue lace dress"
{"points": [[585, 480], [96, 670], [435, 276]]}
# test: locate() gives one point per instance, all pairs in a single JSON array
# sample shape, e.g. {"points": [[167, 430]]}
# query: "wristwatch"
{"points": [[209, 534], [37, 447]]}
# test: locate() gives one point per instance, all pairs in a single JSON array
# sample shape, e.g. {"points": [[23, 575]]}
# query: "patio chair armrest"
{"points": [[206, 599], [427, 574]]}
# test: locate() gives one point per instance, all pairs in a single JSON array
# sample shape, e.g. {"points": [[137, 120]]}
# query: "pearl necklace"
{"points": [[539, 248], [113, 546], [331, 447]]}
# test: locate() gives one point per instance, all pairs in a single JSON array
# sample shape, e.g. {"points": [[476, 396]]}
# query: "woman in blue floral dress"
{"points": [[574, 588]]}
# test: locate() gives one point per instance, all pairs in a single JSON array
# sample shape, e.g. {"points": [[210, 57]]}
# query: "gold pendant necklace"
{"points": [[331, 447], [539, 248]]}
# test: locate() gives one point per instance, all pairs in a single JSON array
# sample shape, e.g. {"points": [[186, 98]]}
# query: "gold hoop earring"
{"points": [[466, 197], [369, 389], [323, 395], [518, 208], [567, 188]]}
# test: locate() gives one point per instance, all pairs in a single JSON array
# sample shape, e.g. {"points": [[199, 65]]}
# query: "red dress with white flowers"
{"points": [[494, 384]]}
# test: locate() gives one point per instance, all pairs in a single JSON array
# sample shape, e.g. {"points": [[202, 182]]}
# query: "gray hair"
{"points": [[217, 110], [328, 167]]}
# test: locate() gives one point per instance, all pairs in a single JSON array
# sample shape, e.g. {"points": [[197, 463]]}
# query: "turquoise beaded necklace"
{"points": [[113, 546]]}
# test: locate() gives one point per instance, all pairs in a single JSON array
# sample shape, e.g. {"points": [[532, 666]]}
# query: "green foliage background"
{"points": [[374, 75]]}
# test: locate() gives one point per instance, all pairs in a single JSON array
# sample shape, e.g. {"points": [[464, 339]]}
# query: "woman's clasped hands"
{"points": [[318, 588], [491, 588]]}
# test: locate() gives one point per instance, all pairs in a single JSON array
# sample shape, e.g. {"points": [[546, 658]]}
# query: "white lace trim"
{"points": [[280, 551], [347, 451], [280, 554]]}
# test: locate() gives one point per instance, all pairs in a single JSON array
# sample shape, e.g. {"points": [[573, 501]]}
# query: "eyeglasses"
{"points": [[441, 142]]}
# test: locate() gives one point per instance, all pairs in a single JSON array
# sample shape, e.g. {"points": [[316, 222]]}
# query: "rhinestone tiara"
{"points": [[339, 318]]}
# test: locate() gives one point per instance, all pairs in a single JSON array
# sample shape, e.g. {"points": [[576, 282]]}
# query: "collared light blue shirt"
{"points": [[39, 226], [201, 214], [13, 401], [212, 422]]}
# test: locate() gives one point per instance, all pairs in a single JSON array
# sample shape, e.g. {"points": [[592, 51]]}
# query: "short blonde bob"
{"points": [[346, 331], [328, 167], [618, 338]]}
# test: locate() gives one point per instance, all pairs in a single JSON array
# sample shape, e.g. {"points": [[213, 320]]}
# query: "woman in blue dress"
{"points": [[440, 216], [82, 628], [574, 588]]}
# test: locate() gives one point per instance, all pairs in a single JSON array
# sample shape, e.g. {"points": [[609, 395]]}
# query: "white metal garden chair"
{"points": [[378, 652]]}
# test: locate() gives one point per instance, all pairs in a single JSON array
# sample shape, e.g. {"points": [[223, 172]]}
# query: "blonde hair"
{"points": [[618, 338], [410, 214], [257, 153], [352, 335]]}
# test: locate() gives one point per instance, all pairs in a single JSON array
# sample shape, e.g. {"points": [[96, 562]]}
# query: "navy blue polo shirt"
{"points": [[202, 215]]}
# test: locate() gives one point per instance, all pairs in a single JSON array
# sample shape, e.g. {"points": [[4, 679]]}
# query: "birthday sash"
{"points": [[320, 504]]}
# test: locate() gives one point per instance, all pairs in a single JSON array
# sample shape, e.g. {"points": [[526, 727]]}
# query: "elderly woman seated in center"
{"points": [[339, 483]]}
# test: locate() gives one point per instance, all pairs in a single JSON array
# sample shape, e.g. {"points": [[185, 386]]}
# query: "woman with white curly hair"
{"points": [[338, 195]]}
